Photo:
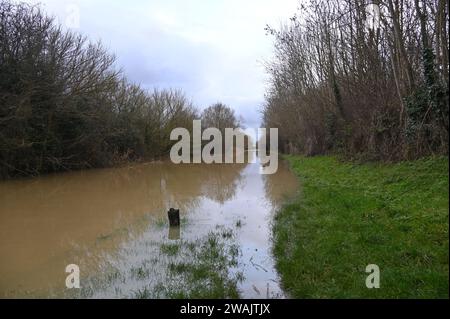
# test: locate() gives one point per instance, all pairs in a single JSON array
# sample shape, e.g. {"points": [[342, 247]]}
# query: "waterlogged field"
{"points": [[112, 223]]}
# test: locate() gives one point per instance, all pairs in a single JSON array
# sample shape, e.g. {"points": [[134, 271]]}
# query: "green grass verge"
{"points": [[350, 215]]}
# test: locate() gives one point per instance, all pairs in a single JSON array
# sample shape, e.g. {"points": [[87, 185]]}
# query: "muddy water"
{"points": [[86, 217]]}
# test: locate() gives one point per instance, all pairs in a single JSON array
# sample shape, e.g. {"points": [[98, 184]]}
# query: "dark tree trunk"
{"points": [[174, 217]]}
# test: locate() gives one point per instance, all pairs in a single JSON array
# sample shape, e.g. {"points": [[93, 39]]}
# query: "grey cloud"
{"points": [[210, 51]]}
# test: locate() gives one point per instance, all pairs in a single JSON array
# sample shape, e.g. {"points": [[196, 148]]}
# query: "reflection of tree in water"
{"points": [[95, 201], [139, 188], [221, 181], [71, 211], [280, 184], [217, 182]]}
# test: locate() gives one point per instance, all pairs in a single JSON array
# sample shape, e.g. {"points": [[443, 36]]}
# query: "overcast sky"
{"points": [[211, 49]]}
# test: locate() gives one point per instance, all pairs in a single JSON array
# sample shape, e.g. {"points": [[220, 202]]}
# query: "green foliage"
{"points": [[351, 215], [427, 116], [416, 107]]}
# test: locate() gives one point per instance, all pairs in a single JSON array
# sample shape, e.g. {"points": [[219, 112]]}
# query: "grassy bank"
{"points": [[348, 216]]}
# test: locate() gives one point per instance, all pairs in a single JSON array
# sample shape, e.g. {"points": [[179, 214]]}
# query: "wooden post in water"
{"points": [[174, 217], [174, 233]]}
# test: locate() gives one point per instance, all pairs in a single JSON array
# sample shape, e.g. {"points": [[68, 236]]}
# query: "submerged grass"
{"points": [[198, 269], [170, 249], [351, 215], [157, 267], [154, 266]]}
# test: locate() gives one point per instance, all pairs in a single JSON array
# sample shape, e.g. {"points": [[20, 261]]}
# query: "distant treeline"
{"points": [[64, 105], [347, 79]]}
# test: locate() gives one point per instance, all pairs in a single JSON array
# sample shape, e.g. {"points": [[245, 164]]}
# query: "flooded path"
{"points": [[107, 216]]}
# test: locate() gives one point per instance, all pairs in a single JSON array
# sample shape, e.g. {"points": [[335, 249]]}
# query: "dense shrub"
{"points": [[64, 105]]}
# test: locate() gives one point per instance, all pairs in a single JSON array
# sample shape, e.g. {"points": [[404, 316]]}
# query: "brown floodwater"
{"points": [[89, 217]]}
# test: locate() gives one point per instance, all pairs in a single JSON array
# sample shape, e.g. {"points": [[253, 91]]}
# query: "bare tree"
{"points": [[339, 84], [64, 105], [219, 116]]}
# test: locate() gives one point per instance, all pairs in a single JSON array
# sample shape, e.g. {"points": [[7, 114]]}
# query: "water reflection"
{"points": [[79, 217], [42, 219], [174, 232]]}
